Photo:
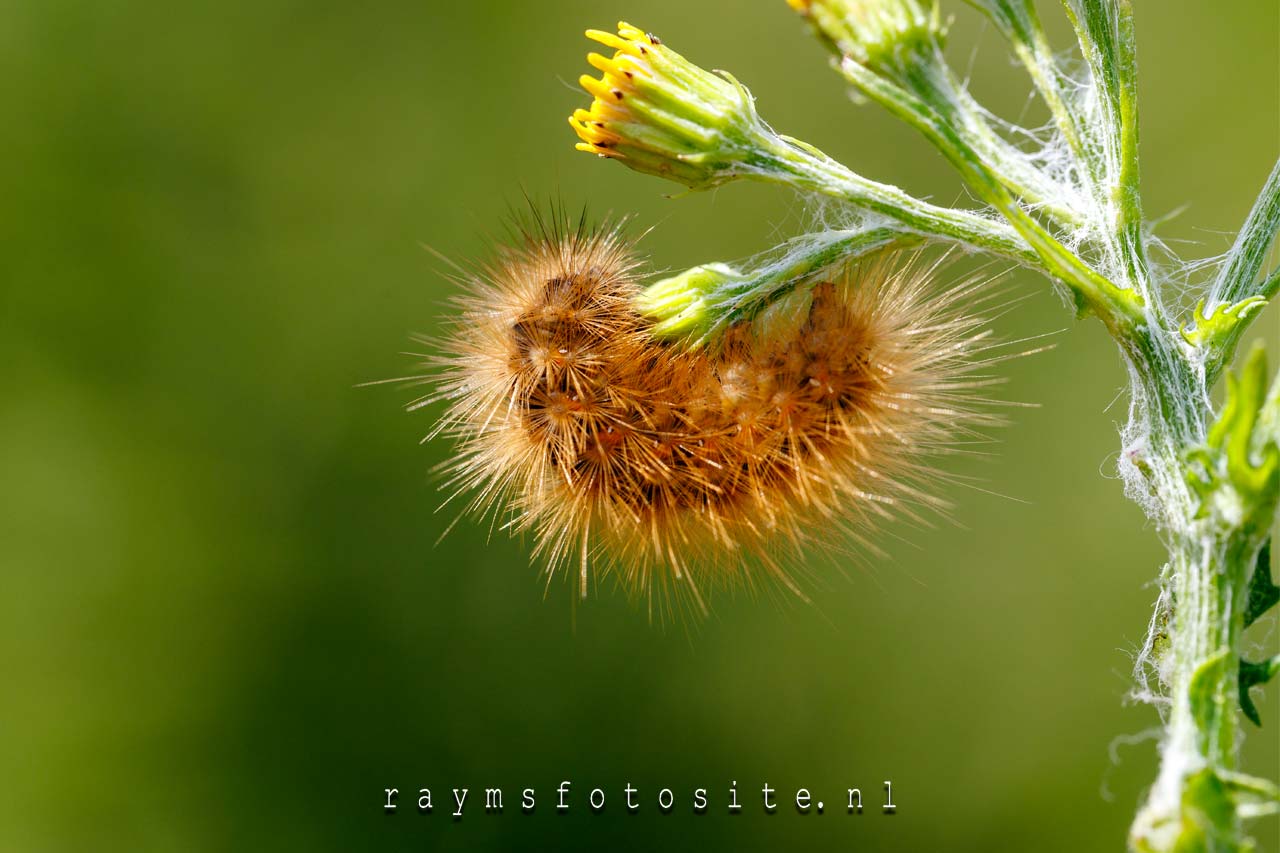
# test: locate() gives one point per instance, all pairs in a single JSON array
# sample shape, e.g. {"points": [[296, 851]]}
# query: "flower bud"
{"points": [[660, 114], [678, 305], [884, 35]]}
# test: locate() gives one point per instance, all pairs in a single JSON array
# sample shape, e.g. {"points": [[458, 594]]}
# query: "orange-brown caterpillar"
{"points": [[673, 466]]}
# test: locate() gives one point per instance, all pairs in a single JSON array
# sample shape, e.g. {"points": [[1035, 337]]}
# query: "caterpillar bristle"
{"points": [[678, 469]]}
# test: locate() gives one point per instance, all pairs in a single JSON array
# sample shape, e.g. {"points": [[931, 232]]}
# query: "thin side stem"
{"points": [[743, 298], [1239, 277], [806, 168], [1119, 308], [1018, 21], [1105, 32]]}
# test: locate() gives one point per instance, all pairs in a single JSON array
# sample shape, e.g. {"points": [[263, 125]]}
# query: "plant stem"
{"points": [[1018, 21], [807, 169], [1117, 306], [1213, 544], [1208, 478], [1189, 807], [1238, 278]]}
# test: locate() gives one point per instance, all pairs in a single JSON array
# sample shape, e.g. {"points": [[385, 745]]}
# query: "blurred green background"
{"points": [[224, 622]]}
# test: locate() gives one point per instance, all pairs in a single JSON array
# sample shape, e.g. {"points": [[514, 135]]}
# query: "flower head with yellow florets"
{"points": [[660, 114]]}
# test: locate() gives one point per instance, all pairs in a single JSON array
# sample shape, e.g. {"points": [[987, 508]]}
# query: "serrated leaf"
{"points": [[1251, 675], [1239, 453], [1263, 593], [1217, 326]]}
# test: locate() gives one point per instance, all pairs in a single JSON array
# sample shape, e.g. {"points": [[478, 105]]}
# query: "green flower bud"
{"points": [[679, 304], [880, 34]]}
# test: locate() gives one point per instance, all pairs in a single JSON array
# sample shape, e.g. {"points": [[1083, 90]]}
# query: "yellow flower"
{"points": [[660, 114]]}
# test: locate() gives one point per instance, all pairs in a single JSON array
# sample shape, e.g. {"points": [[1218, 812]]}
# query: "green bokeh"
{"points": [[224, 620]]}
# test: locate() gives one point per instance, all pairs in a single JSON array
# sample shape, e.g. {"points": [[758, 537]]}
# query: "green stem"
{"points": [[1241, 276], [929, 98], [1191, 806], [1018, 21], [1270, 285], [1213, 534], [1105, 32], [743, 298], [1119, 308], [1130, 200], [699, 304], [806, 168]]}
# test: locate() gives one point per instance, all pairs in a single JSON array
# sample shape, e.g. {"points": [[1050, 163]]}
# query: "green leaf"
{"points": [[1216, 327], [1252, 675], [1241, 453], [1263, 593], [1203, 694], [1208, 815], [1105, 31]]}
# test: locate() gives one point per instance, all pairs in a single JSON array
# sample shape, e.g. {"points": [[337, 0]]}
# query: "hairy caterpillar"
{"points": [[673, 466]]}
